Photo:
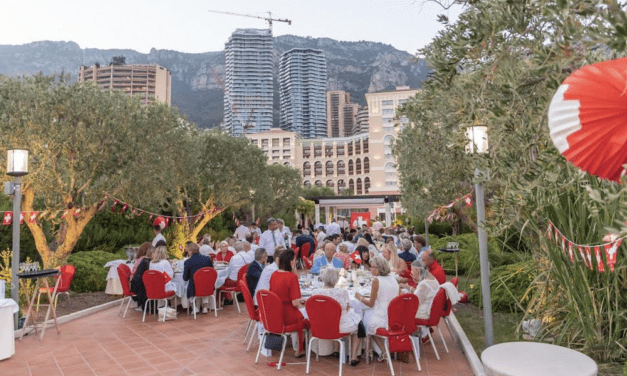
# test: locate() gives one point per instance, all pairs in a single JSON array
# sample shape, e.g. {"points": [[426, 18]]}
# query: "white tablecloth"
{"points": [[181, 286], [536, 359], [113, 280]]}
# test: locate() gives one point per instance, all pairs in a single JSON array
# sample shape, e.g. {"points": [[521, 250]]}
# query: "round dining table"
{"points": [[536, 359]]}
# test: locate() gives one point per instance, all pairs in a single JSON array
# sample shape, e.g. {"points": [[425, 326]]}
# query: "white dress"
{"points": [[349, 319], [425, 291], [388, 290]]}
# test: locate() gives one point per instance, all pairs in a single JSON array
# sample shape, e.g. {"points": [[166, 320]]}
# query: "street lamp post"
{"points": [[478, 144], [17, 166]]}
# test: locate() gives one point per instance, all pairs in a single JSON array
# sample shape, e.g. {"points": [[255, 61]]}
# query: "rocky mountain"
{"points": [[356, 67]]}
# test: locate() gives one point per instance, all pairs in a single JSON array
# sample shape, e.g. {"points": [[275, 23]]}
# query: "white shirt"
{"points": [[250, 255], [351, 247], [237, 261], [240, 232], [162, 266], [320, 237], [157, 238], [377, 226], [269, 242], [257, 230], [333, 229], [264, 278], [343, 224], [206, 250]]}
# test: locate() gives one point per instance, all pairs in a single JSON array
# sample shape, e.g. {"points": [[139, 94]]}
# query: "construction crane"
{"points": [[269, 18]]}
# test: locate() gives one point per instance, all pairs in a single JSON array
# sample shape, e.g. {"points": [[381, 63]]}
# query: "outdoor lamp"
{"points": [[477, 139], [17, 162]]}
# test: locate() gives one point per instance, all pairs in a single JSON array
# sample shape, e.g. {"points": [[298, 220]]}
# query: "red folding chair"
{"points": [[455, 281], [205, 286], [401, 315], [234, 289], [253, 313], [324, 315], [67, 274], [437, 307], [124, 273], [446, 312], [154, 282], [271, 316]]}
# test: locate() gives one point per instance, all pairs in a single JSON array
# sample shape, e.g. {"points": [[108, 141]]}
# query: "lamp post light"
{"points": [[478, 144], [17, 166]]}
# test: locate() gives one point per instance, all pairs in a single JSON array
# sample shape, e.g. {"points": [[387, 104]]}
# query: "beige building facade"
{"points": [[151, 82], [362, 163]]}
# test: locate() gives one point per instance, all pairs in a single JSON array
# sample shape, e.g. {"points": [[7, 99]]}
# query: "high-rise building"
{"points": [[150, 82], [303, 81], [248, 96], [341, 114], [362, 120]]}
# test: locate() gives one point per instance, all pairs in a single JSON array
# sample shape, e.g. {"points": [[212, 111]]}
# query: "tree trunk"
{"points": [[74, 227], [212, 212]]}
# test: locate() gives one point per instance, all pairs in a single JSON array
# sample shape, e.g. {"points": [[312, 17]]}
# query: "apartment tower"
{"points": [[150, 82], [341, 114], [248, 96], [303, 81]]}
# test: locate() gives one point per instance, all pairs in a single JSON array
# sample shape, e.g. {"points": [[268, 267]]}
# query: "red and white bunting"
{"points": [[570, 252], [610, 253], [124, 207], [468, 200], [583, 255], [115, 202], [549, 231], [597, 254], [589, 257], [32, 217], [7, 218]]}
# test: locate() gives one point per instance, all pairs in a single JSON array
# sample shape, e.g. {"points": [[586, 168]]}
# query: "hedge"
{"points": [[90, 272], [509, 287]]}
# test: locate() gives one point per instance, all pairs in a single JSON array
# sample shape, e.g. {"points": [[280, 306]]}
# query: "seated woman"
{"points": [[349, 319], [284, 283], [343, 255], [384, 289], [426, 288], [141, 253], [224, 254], [390, 253], [371, 247], [137, 283], [161, 263], [364, 254]]}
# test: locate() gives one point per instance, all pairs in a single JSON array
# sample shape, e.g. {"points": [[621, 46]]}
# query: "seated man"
{"points": [[264, 279], [195, 262], [406, 253], [429, 261], [235, 264], [327, 259], [255, 269], [303, 238]]}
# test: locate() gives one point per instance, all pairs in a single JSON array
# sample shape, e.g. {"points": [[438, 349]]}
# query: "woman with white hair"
{"points": [[384, 289], [224, 253], [349, 320], [426, 288]]}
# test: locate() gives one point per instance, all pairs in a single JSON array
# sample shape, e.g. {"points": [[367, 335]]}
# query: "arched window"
{"points": [[358, 166], [330, 184], [366, 165], [329, 168], [341, 185], [350, 166], [307, 183], [366, 185], [391, 178], [318, 168], [286, 164], [388, 143], [351, 185], [341, 168], [306, 169], [318, 183], [359, 187]]}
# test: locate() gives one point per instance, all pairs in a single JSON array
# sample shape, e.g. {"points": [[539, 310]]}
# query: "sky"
{"points": [[188, 26]]}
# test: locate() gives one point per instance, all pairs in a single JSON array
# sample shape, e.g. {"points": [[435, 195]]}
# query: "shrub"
{"points": [[90, 272], [109, 231], [509, 287]]}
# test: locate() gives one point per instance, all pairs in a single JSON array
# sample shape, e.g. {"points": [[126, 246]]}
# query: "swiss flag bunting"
{"points": [[570, 252], [583, 255], [468, 200], [124, 207], [7, 218], [610, 253], [589, 257], [549, 231], [32, 217], [597, 254], [115, 202]]}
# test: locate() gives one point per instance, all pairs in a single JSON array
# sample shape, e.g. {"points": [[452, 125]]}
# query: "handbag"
{"points": [[398, 340], [273, 342], [361, 330], [170, 313]]}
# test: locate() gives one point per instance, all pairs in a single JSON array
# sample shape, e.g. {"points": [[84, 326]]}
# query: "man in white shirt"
{"points": [[250, 240], [240, 232], [271, 238], [377, 225], [158, 226], [320, 235], [266, 274], [349, 243], [285, 231], [254, 228], [343, 223], [333, 228], [249, 254], [237, 261]]}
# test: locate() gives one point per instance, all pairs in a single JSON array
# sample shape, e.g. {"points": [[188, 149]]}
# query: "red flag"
{"points": [[563, 240], [610, 253], [356, 257], [8, 217], [549, 231], [32, 217], [583, 256], [589, 257], [115, 202], [140, 212], [468, 200], [570, 252], [557, 234], [133, 211], [124, 207], [77, 212], [597, 253], [21, 218]]}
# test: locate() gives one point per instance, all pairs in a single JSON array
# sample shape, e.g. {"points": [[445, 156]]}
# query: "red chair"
{"points": [[271, 316], [154, 282], [124, 273], [67, 274], [253, 313], [205, 286], [455, 281], [324, 315], [401, 315], [437, 307], [304, 253], [234, 289]]}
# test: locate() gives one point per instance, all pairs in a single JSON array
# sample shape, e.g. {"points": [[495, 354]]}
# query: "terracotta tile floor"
{"points": [[105, 344]]}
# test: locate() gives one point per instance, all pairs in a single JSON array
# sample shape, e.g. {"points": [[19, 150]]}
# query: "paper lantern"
{"points": [[588, 118]]}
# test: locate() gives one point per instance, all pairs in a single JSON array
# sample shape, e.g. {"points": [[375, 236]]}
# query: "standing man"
{"points": [[320, 235], [240, 232], [254, 228], [158, 226], [285, 232], [333, 228], [343, 223], [377, 225], [271, 238]]}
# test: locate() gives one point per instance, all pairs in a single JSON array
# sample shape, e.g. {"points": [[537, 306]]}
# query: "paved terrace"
{"points": [[105, 344]]}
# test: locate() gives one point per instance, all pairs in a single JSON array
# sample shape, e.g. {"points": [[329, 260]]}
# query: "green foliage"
{"points": [[110, 231], [509, 287], [314, 192], [90, 272]]}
